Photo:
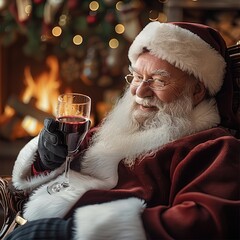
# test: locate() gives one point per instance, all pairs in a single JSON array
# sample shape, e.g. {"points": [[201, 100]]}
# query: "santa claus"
{"points": [[160, 166]]}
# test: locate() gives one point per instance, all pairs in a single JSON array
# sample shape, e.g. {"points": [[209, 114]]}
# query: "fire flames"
{"points": [[41, 92], [44, 90]]}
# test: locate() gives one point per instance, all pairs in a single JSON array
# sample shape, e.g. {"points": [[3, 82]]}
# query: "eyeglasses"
{"points": [[153, 83]]}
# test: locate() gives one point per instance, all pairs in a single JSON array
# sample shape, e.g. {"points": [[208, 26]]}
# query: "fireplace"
{"points": [[23, 80]]}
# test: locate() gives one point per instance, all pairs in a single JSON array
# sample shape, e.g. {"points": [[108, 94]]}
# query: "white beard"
{"points": [[125, 135]]}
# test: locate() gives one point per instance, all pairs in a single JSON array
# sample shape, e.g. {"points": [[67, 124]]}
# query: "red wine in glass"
{"points": [[73, 113], [74, 128]]}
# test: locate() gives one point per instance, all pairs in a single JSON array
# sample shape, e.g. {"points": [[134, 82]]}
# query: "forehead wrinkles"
{"points": [[159, 71]]}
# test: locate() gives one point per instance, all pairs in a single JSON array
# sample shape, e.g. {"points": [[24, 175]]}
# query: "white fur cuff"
{"points": [[115, 220], [21, 175]]}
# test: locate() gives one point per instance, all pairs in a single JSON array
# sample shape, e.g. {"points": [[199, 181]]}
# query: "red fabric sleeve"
{"points": [[204, 198], [36, 172]]}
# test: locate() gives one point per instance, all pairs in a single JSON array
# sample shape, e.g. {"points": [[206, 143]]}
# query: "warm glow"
{"points": [[56, 31], [8, 111], [119, 28], [77, 39], [119, 5], [94, 5], [44, 90], [113, 43], [157, 16], [28, 9], [31, 125], [40, 94], [162, 17], [153, 15]]}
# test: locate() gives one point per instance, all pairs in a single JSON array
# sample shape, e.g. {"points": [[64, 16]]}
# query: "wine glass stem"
{"points": [[66, 173]]}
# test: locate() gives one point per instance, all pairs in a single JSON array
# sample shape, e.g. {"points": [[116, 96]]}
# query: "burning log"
{"points": [[25, 109], [12, 126]]}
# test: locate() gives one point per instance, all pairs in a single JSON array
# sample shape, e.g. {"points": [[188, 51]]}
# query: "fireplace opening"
{"points": [[29, 91]]}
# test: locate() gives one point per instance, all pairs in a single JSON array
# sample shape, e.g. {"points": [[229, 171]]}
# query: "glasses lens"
{"points": [[158, 85], [129, 78], [153, 84]]}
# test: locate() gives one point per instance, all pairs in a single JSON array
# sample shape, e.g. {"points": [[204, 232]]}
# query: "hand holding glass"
{"points": [[73, 115]]}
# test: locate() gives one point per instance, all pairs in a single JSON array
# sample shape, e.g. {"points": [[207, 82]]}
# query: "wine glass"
{"points": [[73, 115]]}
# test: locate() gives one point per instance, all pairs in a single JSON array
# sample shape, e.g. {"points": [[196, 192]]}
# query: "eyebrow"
{"points": [[161, 72]]}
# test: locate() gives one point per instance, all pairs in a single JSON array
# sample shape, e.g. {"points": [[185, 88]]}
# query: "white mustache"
{"points": [[147, 102]]}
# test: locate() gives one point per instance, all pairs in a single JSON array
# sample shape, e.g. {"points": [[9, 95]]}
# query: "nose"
{"points": [[143, 90]]}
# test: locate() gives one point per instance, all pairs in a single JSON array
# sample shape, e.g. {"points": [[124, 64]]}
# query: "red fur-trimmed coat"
{"points": [[189, 189]]}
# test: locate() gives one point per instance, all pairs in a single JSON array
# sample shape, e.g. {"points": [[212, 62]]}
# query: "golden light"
{"points": [[56, 31], [119, 5], [77, 39], [119, 28], [113, 43], [41, 93], [157, 16], [94, 5], [162, 17], [28, 9], [30, 125], [45, 89], [153, 15]]}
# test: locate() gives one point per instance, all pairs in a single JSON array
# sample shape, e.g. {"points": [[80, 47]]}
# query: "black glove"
{"points": [[47, 228], [51, 145]]}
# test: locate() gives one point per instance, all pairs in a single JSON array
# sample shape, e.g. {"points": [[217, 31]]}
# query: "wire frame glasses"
{"points": [[155, 84]]}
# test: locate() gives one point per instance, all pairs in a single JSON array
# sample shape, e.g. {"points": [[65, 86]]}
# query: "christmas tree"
{"points": [[70, 25]]}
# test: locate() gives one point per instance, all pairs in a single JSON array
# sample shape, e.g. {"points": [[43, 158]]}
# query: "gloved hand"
{"points": [[47, 228], [51, 146]]}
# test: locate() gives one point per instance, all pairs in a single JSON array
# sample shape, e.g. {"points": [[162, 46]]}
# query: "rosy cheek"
{"points": [[171, 93], [165, 96]]}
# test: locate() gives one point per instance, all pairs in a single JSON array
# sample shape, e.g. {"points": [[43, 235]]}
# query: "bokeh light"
{"points": [[56, 31], [113, 43], [157, 16], [119, 5], [94, 5], [77, 39], [119, 28]]}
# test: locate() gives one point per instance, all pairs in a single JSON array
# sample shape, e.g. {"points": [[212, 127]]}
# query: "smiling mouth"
{"points": [[147, 107]]}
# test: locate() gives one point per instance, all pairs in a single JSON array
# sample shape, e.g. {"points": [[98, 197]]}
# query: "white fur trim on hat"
{"points": [[183, 49]]}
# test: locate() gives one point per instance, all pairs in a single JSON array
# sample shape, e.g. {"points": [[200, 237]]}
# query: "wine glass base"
{"points": [[59, 187]]}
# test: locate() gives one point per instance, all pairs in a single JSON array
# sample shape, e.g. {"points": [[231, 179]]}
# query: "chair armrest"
{"points": [[11, 202]]}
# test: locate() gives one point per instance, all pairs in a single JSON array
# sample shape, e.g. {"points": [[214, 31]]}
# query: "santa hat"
{"points": [[194, 48]]}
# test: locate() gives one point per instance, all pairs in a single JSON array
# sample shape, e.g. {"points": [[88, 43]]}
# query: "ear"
{"points": [[199, 93]]}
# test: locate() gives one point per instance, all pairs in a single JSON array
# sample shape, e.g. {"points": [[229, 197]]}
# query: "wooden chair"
{"points": [[12, 201]]}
